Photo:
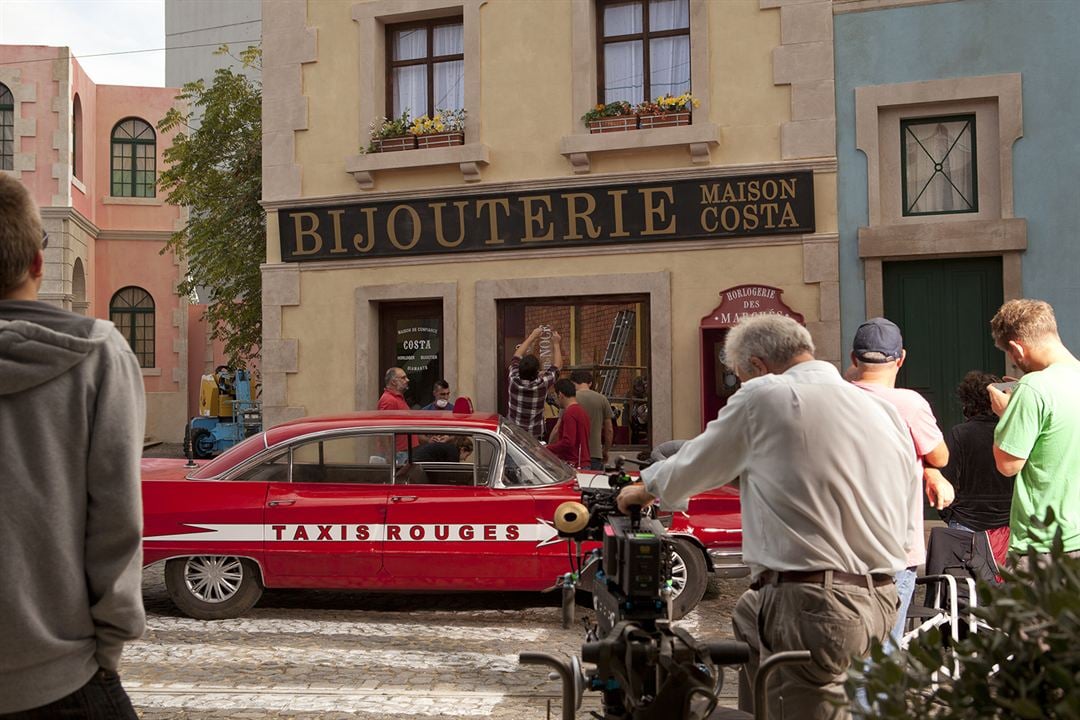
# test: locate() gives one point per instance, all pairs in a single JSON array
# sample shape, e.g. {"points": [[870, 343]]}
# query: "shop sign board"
{"points": [[718, 207], [745, 300]]}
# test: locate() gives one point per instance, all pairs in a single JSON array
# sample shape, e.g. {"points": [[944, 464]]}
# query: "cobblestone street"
{"points": [[318, 654]]}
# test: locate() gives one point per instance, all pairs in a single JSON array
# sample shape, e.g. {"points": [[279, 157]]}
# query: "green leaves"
{"points": [[1026, 664], [215, 172]]}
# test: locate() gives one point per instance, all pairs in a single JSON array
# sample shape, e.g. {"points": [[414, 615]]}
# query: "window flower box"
{"points": [[445, 128], [394, 144], [614, 117], [666, 111], [442, 139], [661, 120], [613, 124]]}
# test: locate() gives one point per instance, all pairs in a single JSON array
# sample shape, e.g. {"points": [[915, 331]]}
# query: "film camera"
{"points": [[645, 667]]}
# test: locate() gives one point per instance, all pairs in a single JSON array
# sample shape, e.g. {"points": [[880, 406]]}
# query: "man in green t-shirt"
{"points": [[1038, 436]]}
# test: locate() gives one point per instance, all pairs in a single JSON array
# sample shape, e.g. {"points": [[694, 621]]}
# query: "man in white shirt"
{"points": [[827, 481]]}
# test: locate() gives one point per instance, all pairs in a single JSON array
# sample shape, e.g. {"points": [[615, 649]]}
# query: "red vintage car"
{"points": [[418, 501]]}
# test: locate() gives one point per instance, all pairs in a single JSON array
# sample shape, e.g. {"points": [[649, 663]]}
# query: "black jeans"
{"points": [[102, 698]]}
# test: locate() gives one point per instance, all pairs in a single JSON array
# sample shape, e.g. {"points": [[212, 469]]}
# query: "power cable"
{"points": [[214, 27], [132, 52]]}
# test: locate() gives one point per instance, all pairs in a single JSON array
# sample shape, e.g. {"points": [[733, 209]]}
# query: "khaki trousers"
{"points": [[834, 622]]}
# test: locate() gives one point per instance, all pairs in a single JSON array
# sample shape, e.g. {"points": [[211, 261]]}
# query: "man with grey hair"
{"points": [[72, 412], [395, 383], [827, 478]]}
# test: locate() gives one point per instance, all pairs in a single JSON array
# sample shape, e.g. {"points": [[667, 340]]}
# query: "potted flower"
{"points": [[389, 135], [613, 117], [443, 129], [666, 111]]}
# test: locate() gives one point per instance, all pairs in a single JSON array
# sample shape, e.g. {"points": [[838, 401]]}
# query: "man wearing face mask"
{"points": [[442, 397], [827, 480]]}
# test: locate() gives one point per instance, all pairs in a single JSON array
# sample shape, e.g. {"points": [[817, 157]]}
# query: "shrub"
{"points": [[1027, 666]]}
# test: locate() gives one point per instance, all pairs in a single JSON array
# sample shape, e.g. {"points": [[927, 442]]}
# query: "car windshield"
{"points": [[539, 454]]}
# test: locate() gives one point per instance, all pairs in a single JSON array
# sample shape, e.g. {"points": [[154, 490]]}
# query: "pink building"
{"points": [[90, 155]]}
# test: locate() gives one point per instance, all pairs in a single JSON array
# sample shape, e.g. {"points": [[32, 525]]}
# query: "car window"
{"points": [[276, 469], [486, 457], [528, 462], [357, 458], [441, 458]]}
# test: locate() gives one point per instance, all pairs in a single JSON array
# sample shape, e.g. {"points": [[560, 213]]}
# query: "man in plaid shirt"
{"points": [[528, 386]]}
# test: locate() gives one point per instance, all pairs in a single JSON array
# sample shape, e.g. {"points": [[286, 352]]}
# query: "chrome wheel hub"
{"points": [[213, 578]]}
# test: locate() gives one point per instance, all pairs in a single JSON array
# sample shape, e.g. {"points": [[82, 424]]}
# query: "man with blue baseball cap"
{"points": [[877, 354]]}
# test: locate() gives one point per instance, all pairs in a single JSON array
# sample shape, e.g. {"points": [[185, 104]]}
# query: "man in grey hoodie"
{"points": [[72, 413]]}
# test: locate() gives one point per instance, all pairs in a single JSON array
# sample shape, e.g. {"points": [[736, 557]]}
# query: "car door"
{"points": [[455, 527], [203, 517], [324, 523]]}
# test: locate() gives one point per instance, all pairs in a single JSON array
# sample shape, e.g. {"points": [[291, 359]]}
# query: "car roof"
{"points": [[488, 421], [389, 419]]}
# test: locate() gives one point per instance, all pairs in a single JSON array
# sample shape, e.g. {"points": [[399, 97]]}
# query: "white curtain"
{"points": [[449, 76], [410, 82], [410, 90], [624, 72], [939, 167], [669, 57], [449, 85], [669, 65]]}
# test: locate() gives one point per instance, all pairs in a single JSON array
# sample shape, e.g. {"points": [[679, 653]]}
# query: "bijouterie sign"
{"points": [[721, 207]]}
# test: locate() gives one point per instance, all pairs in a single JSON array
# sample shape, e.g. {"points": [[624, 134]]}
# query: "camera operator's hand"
{"points": [[635, 494]]}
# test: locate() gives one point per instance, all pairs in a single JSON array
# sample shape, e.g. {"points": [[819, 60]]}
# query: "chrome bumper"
{"points": [[728, 563]]}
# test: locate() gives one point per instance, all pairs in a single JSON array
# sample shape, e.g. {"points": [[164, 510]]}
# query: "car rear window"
{"points": [[231, 457]]}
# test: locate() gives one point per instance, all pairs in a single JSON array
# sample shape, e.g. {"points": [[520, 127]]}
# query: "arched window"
{"points": [[76, 137], [134, 159], [7, 129], [132, 311]]}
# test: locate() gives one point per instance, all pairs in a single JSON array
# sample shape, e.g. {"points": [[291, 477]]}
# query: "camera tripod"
{"points": [[725, 653]]}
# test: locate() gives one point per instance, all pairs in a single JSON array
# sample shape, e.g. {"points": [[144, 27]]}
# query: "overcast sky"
{"points": [[93, 27]]}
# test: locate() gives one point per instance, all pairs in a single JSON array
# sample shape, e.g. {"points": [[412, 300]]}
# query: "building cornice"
{"points": [[537, 254], [142, 235], [70, 213], [817, 165], [842, 7]]}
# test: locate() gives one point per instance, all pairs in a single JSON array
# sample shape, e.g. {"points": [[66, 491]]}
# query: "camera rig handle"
{"points": [[766, 669], [728, 652], [571, 678]]}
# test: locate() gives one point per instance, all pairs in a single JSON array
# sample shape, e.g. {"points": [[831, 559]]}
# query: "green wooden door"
{"points": [[943, 308]]}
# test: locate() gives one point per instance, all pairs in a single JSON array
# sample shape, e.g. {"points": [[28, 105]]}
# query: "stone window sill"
{"points": [[468, 158], [151, 372], [78, 184], [110, 200], [943, 238], [698, 139]]}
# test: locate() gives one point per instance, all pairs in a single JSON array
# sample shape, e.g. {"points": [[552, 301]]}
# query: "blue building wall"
{"points": [[1037, 38]]}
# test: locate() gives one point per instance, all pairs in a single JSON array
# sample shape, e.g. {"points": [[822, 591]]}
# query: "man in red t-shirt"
{"points": [[573, 442], [395, 383]]}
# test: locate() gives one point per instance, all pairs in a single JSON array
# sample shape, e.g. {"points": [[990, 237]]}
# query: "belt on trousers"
{"points": [[817, 577]]}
